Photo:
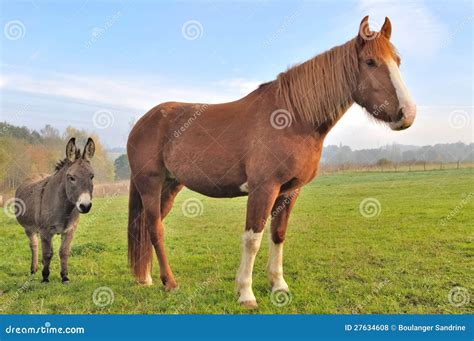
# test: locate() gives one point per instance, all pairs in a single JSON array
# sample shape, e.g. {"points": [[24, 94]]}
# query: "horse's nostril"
{"points": [[400, 115]]}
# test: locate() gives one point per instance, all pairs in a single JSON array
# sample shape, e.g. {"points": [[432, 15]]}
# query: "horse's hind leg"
{"points": [[170, 189], [150, 187], [280, 215], [47, 250], [259, 206], [33, 237]]}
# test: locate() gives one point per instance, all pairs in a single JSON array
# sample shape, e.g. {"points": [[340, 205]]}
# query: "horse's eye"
{"points": [[370, 62], [71, 178]]}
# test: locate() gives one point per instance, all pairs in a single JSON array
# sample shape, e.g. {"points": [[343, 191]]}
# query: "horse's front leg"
{"points": [[64, 252], [280, 215], [47, 250], [259, 204]]}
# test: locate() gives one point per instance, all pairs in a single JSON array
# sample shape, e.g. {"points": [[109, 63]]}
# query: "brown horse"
{"points": [[266, 145]]}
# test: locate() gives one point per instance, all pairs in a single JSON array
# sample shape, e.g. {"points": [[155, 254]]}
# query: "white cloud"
{"points": [[240, 85], [137, 94]]}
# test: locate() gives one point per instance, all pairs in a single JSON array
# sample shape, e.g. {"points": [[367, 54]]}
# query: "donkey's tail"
{"points": [[140, 255]]}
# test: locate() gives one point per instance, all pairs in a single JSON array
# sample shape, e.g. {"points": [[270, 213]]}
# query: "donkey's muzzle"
{"points": [[85, 208]]}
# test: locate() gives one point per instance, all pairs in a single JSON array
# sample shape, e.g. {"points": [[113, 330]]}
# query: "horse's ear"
{"points": [[364, 31], [386, 29], [89, 149], [71, 149]]}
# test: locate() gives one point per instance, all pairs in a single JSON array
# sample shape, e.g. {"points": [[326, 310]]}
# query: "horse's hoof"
{"points": [[249, 304], [146, 282], [171, 286], [45, 280]]}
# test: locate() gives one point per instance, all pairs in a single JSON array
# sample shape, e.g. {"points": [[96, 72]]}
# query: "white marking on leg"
{"points": [[275, 267], [250, 245], [244, 188]]}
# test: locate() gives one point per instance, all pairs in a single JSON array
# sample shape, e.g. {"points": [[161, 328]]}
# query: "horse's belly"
{"points": [[212, 178]]}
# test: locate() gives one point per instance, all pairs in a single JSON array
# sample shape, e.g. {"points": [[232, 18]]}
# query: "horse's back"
{"points": [[28, 196]]}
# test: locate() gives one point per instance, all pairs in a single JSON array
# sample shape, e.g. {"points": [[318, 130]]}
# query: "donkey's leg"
{"points": [[33, 237], [259, 205], [64, 252], [280, 214], [47, 249], [170, 189], [150, 190]]}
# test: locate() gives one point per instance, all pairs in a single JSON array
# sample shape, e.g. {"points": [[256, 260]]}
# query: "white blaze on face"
{"points": [[85, 199], [404, 99]]}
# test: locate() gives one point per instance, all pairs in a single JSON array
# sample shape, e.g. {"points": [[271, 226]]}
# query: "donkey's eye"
{"points": [[370, 62], [71, 178], [92, 177]]}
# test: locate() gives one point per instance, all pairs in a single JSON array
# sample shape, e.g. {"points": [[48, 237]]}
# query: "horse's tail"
{"points": [[140, 254]]}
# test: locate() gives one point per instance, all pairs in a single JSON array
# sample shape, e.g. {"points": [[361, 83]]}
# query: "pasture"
{"points": [[404, 257]]}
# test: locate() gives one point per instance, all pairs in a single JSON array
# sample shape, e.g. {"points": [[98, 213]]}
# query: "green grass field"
{"points": [[406, 259]]}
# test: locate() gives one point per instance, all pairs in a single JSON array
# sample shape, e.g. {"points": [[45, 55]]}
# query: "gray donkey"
{"points": [[52, 205]]}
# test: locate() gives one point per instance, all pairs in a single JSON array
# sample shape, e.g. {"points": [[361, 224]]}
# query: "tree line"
{"points": [[24, 152]]}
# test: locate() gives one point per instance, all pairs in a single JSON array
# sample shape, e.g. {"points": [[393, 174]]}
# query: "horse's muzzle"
{"points": [[405, 118]]}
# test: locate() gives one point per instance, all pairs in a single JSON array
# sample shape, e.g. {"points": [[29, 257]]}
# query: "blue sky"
{"points": [[70, 62]]}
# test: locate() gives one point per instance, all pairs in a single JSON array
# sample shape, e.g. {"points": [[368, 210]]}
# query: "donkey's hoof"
{"points": [[252, 304], [45, 280], [65, 280]]}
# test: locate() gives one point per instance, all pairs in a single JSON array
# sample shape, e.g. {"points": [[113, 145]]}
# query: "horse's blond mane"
{"points": [[321, 88]]}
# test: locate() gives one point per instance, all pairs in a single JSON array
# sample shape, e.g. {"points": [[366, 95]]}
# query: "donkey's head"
{"points": [[381, 90], [79, 175]]}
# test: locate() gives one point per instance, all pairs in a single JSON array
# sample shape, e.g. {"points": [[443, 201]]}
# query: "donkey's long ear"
{"points": [[386, 29], [71, 149], [89, 149]]}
